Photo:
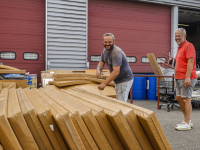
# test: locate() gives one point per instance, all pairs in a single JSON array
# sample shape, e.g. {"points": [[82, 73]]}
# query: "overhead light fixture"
{"points": [[186, 25]]}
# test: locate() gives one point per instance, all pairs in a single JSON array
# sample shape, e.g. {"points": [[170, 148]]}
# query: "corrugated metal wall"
{"points": [[66, 34], [183, 3], [22, 29], [139, 28]]}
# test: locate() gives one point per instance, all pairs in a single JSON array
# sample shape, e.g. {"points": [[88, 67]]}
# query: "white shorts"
{"points": [[122, 90]]}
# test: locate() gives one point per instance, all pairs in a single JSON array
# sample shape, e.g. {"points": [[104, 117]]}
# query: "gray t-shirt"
{"points": [[116, 57]]}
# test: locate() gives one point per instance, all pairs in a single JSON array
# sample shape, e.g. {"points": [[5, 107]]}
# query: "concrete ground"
{"points": [[179, 140]]}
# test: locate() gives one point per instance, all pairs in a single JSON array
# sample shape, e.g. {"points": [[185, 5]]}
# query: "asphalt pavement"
{"points": [[179, 140]]}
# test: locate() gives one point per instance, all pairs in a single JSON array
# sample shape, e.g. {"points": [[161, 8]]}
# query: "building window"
{"points": [[158, 59], [95, 58], [30, 56], [131, 59], [145, 60], [8, 55]]}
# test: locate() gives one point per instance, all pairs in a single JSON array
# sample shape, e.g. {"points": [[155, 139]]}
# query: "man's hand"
{"points": [[187, 82], [101, 86], [98, 74], [189, 71], [99, 69], [110, 78]]}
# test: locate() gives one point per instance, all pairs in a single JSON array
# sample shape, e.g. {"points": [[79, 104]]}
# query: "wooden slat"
{"points": [[8, 67], [3, 71], [155, 66]]}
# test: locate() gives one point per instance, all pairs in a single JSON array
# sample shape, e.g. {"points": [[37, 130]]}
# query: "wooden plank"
{"points": [[155, 66], [3, 71], [8, 67]]}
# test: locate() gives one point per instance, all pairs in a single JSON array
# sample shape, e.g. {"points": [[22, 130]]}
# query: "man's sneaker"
{"points": [[191, 124], [183, 126]]}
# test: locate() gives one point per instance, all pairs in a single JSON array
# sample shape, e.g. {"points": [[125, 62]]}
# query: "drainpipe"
{"points": [[174, 26], [46, 68]]}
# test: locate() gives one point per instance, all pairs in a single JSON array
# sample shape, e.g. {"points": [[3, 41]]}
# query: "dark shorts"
{"points": [[183, 91]]}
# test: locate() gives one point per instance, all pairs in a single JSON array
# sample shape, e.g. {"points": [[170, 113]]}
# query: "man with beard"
{"points": [[117, 63], [185, 77]]}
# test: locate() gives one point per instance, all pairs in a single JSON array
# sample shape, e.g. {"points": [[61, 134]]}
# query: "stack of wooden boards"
{"points": [[12, 83], [66, 79], [75, 119], [10, 70], [63, 79]]}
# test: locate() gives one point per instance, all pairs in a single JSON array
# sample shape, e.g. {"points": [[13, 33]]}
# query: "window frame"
{"points": [[161, 58], [10, 52], [31, 52], [132, 56], [145, 62], [94, 55]]}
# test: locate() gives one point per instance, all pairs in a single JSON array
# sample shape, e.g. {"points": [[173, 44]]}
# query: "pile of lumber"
{"points": [[11, 82], [68, 79], [75, 119], [10, 70]]}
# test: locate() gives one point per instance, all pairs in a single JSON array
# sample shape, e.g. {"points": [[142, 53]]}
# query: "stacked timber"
{"points": [[12, 82], [85, 80], [75, 119], [10, 70], [63, 79]]}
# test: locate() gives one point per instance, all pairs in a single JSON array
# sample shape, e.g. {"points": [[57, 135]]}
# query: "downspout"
{"points": [[174, 26], [46, 68], [87, 62]]}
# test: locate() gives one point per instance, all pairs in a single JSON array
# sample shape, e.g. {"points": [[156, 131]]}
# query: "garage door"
{"points": [[139, 29], [22, 34]]}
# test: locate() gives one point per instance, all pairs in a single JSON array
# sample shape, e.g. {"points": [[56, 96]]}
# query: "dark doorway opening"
{"points": [[190, 20]]}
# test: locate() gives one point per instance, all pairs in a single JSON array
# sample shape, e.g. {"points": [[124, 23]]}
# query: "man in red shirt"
{"points": [[185, 77]]}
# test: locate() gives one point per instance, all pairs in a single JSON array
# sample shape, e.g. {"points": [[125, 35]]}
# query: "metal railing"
{"points": [[158, 80]]}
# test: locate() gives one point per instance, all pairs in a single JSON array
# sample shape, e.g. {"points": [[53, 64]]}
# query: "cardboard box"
{"points": [[46, 76], [19, 83], [46, 81], [9, 85]]}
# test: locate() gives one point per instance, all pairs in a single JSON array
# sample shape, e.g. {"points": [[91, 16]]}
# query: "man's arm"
{"points": [[112, 76], [189, 71], [99, 69]]}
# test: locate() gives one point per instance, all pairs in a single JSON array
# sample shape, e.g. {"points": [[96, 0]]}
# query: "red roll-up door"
{"points": [[22, 30], [139, 29]]}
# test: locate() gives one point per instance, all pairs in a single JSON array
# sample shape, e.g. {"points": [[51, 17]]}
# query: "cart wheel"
{"points": [[168, 110], [159, 107]]}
